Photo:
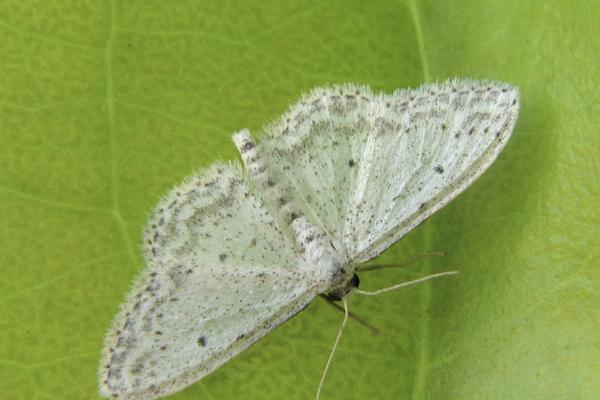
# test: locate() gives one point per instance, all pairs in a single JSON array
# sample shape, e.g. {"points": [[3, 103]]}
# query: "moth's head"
{"points": [[344, 288]]}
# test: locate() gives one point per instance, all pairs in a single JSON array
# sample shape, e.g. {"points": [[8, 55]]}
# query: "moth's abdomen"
{"points": [[321, 258]]}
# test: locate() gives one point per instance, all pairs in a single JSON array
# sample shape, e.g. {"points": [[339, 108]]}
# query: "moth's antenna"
{"points": [[404, 284], [337, 340], [353, 316]]}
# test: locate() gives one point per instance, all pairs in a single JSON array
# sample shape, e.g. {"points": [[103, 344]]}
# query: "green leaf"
{"points": [[105, 106]]}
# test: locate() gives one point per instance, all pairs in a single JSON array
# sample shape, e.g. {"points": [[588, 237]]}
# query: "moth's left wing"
{"points": [[219, 275]]}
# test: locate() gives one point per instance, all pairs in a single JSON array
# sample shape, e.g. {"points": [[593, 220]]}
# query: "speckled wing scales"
{"points": [[313, 153], [220, 275], [368, 168], [428, 146]]}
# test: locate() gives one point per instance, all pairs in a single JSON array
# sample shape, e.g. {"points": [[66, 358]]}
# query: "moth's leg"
{"points": [[352, 315], [404, 284], [407, 263], [335, 344]]}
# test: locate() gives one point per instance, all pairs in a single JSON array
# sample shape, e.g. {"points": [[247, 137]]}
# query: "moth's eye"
{"points": [[354, 282]]}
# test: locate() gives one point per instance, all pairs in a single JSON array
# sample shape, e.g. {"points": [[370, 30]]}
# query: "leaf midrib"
{"points": [[422, 354]]}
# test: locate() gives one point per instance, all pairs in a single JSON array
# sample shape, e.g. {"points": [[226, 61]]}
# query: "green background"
{"points": [[104, 106]]}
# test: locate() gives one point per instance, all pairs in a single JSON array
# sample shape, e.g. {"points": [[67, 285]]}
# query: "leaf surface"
{"points": [[104, 106]]}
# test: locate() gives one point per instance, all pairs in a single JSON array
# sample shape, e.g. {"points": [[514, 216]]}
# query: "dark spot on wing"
{"points": [[439, 169], [351, 163], [247, 146], [201, 341]]}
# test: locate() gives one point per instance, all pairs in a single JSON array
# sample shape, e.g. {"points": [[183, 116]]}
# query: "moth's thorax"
{"points": [[323, 260]]}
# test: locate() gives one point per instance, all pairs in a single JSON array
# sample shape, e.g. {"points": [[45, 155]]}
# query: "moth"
{"points": [[234, 251]]}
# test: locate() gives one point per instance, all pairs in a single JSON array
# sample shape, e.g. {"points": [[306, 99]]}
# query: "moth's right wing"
{"points": [[219, 275], [367, 168]]}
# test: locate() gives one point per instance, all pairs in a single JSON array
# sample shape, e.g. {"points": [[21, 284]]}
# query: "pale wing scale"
{"points": [[368, 168], [430, 145], [220, 275], [313, 151]]}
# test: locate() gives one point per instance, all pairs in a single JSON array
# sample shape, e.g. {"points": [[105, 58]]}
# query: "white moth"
{"points": [[340, 177]]}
